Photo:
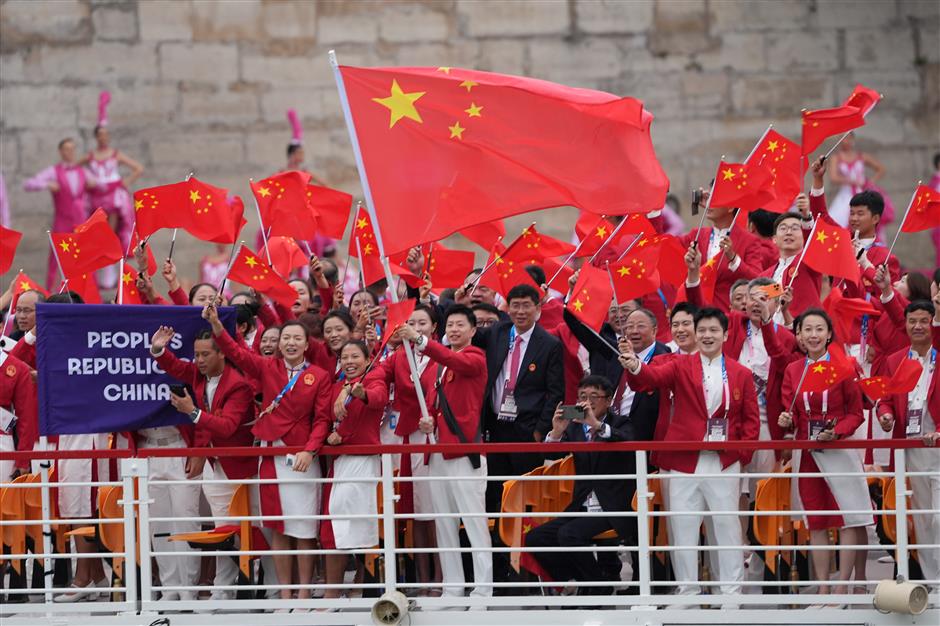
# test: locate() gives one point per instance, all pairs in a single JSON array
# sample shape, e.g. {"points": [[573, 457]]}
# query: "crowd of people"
{"points": [[676, 365]]}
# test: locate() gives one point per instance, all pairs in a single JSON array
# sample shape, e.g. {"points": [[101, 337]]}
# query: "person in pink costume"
{"points": [[111, 193], [935, 185], [70, 186], [848, 168]]}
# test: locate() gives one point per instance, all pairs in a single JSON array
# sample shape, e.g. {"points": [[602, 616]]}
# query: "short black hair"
{"points": [[375, 298], [293, 147], [342, 316], [870, 199], [298, 324], [244, 314], [66, 297], [330, 271], [207, 334], [919, 286], [920, 305], [536, 273], [683, 307], [432, 313], [712, 313], [597, 381], [738, 283], [763, 221], [65, 141], [485, 306], [462, 309], [524, 290], [936, 161], [359, 343], [195, 288], [790, 215]]}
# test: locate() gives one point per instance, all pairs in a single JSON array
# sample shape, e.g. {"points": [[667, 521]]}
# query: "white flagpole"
{"points": [[759, 142], [630, 247], [120, 294], [708, 204], [568, 259], [613, 288], [809, 240], [376, 228], [264, 235], [904, 219], [236, 248], [622, 223]]}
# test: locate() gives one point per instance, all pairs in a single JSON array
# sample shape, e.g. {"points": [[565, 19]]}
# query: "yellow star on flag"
{"points": [[367, 249], [64, 245], [456, 131], [361, 223], [601, 232], [401, 104], [819, 368], [474, 110], [772, 145], [24, 286], [446, 70], [264, 192], [251, 261], [138, 205], [821, 237], [194, 195], [728, 174], [624, 271], [468, 85], [127, 277], [578, 305]]}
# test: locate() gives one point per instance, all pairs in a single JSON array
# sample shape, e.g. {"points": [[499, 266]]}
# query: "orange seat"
{"points": [[13, 508], [658, 530], [889, 519], [773, 494], [238, 506]]}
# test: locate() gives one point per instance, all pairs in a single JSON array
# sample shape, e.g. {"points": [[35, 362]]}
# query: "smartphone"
{"points": [[696, 201], [178, 390], [572, 412], [290, 460]]}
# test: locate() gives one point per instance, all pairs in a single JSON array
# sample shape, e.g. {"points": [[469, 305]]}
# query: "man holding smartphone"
{"points": [[221, 411], [602, 499]]}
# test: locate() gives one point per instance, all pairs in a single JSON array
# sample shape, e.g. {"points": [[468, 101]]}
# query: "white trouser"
{"points": [[219, 496], [695, 495], [6, 466], [926, 495], [462, 496], [173, 501]]}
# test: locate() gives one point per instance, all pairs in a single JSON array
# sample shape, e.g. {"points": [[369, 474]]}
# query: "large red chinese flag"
{"points": [[85, 285], [830, 251], [824, 374], [863, 98], [282, 202], [747, 186], [846, 311], [285, 254], [91, 246], [331, 208], [782, 157], [362, 239], [903, 380], [539, 247], [635, 275], [671, 267], [250, 269], [590, 299], [202, 210], [9, 239], [450, 148], [821, 124], [924, 211]]}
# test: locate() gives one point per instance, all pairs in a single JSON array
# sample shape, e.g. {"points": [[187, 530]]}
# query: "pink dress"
{"points": [[110, 193], [854, 170], [213, 273]]}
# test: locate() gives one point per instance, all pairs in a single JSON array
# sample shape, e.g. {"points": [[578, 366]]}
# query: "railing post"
{"points": [[388, 522], [129, 470], [139, 468], [900, 512], [48, 567], [643, 530]]}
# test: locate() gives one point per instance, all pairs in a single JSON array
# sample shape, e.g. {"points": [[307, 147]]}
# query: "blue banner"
{"points": [[95, 372]]}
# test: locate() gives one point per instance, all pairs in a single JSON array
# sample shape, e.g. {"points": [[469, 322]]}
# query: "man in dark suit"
{"points": [[639, 330], [525, 382], [600, 424]]}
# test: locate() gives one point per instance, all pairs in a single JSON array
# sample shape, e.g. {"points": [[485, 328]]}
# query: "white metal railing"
{"points": [[138, 595]]}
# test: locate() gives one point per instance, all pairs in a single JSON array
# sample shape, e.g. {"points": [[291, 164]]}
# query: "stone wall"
{"points": [[203, 85]]}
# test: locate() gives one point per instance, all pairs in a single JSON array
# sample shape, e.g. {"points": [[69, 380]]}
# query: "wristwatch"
{"points": [[194, 415]]}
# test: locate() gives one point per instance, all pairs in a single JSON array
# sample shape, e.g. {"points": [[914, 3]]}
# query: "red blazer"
{"points": [[395, 370], [896, 404], [844, 403], [769, 253], [660, 303], [363, 418], [682, 374], [227, 424], [464, 383], [25, 352], [18, 395], [302, 418], [806, 286], [551, 316], [747, 248], [574, 372], [888, 334]]}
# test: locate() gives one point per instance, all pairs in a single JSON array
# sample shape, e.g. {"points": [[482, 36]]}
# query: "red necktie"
{"points": [[514, 363]]}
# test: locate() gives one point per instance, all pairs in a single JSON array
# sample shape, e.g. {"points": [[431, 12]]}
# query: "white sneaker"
{"points": [[80, 594]]}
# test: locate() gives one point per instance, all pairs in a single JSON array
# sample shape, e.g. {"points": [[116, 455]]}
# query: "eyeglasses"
{"points": [[789, 228], [24, 311], [485, 323], [584, 397], [524, 305]]}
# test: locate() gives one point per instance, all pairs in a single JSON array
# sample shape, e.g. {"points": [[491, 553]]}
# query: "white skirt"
{"points": [[298, 498], [421, 489], [355, 498], [76, 501], [849, 492]]}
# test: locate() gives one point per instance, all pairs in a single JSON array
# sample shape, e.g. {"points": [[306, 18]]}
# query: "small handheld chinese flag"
{"points": [[286, 255], [362, 240], [845, 311], [91, 246], [821, 124], [9, 240], [591, 297], [331, 208], [23, 283], [830, 251], [635, 275], [201, 209], [822, 375], [924, 211], [447, 268], [250, 269], [902, 381], [128, 286], [747, 186], [782, 157]]}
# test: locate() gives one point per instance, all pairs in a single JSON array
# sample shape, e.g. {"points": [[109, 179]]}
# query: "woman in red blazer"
{"points": [[296, 401], [359, 401], [832, 414]]}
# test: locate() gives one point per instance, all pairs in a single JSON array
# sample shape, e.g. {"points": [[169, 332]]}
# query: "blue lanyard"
{"points": [[933, 355], [512, 336], [290, 385], [662, 297]]}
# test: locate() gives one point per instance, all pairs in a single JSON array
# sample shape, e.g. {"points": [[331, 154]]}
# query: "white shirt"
{"points": [[917, 398], [712, 383], [626, 400], [717, 234], [504, 373], [212, 383], [754, 354]]}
